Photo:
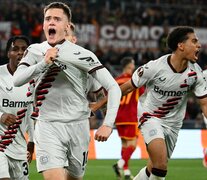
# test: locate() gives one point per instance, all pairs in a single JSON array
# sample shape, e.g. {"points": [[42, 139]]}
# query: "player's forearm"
{"points": [[114, 96], [24, 73], [99, 104], [30, 147], [127, 88]]}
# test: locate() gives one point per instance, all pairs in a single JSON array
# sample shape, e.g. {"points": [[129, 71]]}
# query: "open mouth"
{"points": [[197, 53], [52, 32], [19, 59]]}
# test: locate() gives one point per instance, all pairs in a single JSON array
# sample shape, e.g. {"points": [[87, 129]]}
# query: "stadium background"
{"points": [[113, 29]]}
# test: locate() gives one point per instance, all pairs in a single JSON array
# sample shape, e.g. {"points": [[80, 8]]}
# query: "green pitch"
{"points": [[182, 169]]}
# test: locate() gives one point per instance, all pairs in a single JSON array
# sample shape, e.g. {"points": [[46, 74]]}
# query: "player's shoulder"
{"points": [[194, 66], [76, 49], [3, 69], [156, 65], [162, 61], [38, 48], [159, 62], [5, 76]]}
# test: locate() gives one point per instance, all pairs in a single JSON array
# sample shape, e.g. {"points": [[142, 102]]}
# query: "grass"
{"points": [[178, 169]]}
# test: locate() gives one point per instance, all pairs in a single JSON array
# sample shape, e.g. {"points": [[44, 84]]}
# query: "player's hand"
{"points": [[103, 133], [97, 105], [93, 106], [30, 151], [50, 55], [8, 119], [29, 157]]}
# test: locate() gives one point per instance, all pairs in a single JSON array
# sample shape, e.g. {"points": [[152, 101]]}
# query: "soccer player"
{"points": [[126, 120], [62, 128], [168, 80], [14, 158]]}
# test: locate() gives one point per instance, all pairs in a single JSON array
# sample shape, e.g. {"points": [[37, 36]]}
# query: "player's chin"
{"points": [[194, 59], [52, 41]]}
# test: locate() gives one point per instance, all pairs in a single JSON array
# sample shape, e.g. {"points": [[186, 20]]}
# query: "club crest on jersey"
{"points": [[140, 71]]}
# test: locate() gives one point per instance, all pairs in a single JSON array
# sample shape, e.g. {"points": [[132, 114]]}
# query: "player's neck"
{"points": [[178, 64], [11, 69], [60, 42]]}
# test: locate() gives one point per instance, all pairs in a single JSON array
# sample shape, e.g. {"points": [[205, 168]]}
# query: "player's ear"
{"points": [[180, 46], [68, 26], [74, 39], [67, 29]]}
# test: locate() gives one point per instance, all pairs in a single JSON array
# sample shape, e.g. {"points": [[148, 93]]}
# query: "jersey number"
{"points": [[85, 158], [25, 166], [126, 99]]}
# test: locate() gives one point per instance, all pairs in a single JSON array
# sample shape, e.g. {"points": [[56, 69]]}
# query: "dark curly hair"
{"points": [[178, 34], [13, 39]]}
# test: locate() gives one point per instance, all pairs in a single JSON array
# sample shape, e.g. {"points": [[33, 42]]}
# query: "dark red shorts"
{"points": [[127, 131]]}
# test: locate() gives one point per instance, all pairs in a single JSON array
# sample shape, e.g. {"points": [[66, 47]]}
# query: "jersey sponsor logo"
{"points": [[8, 103], [169, 93]]}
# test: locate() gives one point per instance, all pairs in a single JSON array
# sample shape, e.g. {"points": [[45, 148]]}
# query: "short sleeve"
{"points": [[143, 74]]}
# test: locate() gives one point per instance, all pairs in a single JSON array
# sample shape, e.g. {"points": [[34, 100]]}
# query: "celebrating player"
{"points": [[14, 158], [168, 80], [62, 129]]}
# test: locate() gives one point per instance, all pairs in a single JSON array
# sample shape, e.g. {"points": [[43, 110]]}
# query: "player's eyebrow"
{"points": [[195, 39], [54, 17]]}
